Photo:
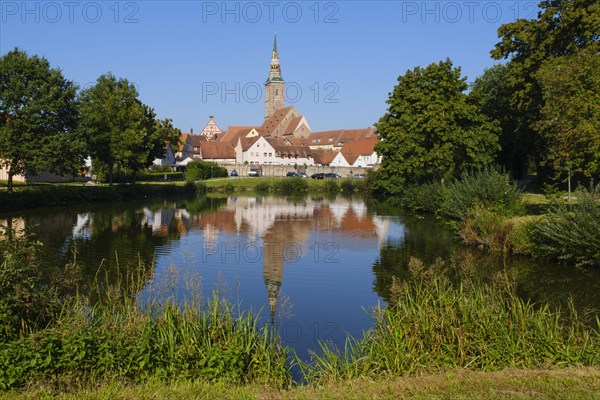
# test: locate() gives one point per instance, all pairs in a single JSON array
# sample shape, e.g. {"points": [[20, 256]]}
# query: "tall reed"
{"points": [[437, 322]]}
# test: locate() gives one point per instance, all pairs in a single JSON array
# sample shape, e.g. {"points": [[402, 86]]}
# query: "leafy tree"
{"points": [[38, 117], [430, 130], [491, 93], [121, 130], [561, 28], [570, 118]]}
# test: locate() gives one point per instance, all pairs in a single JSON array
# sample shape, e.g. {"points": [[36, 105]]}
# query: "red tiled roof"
{"points": [[324, 157], [360, 147], [271, 124], [293, 125], [234, 132], [216, 151], [197, 139]]}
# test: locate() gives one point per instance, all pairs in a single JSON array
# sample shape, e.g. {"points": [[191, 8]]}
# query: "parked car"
{"points": [[358, 176], [234, 173], [292, 173], [332, 176], [302, 174], [318, 175], [255, 172]]}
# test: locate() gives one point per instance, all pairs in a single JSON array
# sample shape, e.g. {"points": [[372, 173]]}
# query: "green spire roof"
{"points": [[275, 43]]}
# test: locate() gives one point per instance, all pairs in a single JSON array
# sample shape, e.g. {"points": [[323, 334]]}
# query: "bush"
{"points": [[331, 185], [350, 185], [28, 300], [428, 197], [483, 227], [292, 185], [201, 170], [487, 188], [571, 233], [262, 187]]}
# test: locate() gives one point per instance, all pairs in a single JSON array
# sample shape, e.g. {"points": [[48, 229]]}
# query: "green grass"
{"points": [[572, 383], [271, 184]]}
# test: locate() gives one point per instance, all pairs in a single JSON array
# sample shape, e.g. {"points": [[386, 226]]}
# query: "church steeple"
{"points": [[274, 86]]}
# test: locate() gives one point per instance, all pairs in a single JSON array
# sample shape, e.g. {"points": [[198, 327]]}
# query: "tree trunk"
{"points": [[9, 183]]}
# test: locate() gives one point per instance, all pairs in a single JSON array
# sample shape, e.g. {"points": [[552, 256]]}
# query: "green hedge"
{"points": [[201, 170]]}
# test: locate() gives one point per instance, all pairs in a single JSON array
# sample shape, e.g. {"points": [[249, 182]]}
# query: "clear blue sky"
{"points": [[192, 59]]}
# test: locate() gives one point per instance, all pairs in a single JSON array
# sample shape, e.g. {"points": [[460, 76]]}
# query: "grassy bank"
{"points": [[439, 320], [46, 195], [572, 383], [285, 185]]}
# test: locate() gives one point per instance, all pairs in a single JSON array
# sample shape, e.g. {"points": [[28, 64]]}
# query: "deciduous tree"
{"points": [[430, 130], [121, 130], [38, 118]]}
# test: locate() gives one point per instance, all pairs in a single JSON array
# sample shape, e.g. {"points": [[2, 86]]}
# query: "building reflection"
{"points": [[279, 226]]}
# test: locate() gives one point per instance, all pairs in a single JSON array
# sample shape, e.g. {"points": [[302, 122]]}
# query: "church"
{"points": [[284, 138]]}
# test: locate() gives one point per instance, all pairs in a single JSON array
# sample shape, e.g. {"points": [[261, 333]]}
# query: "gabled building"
{"points": [[359, 153], [167, 160], [217, 152], [196, 141], [324, 157], [286, 122], [211, 130], [334, 140], [185, 149]]}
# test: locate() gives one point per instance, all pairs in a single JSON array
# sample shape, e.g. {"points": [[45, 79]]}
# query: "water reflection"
{"points": [[319, 261]]}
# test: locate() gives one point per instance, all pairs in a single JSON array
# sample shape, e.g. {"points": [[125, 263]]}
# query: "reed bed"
{"points": [[443, 319]]}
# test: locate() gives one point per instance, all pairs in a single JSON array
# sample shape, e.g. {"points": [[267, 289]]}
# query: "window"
{"points": [[331, 139], [270, 154], [264, 154], [276, 92]]}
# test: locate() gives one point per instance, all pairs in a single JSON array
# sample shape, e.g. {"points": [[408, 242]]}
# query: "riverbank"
{"points": [[47, 195], [572, 383]]}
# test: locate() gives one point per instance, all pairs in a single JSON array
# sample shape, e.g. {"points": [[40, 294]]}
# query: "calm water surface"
{"points": [[311, 265]]}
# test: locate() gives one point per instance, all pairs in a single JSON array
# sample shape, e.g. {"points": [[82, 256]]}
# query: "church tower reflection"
{"points": [[283, 242]]}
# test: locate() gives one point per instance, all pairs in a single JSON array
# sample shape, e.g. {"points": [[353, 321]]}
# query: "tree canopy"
{"points": [[562, 27], [570, 117], [121, 130], [430, 130], [38, 117]]}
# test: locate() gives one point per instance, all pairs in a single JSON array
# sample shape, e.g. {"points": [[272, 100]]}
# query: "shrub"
{"points": [[487, 188], [201, 170], [427, 197], [347, 185], [160, 176], [262, 187], [28, 301], [331, 185], [292, 185], [483, 227], [571, 233]]}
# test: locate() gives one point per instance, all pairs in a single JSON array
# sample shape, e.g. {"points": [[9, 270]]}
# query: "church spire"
{"points": [[275, 57], [275, 86]]}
